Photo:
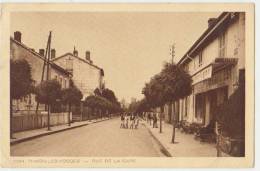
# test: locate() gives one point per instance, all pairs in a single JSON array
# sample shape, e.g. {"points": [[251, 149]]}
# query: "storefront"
{"points": [[214, 90]]}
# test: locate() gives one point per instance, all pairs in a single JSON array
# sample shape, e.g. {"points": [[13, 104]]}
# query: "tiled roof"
{"points": [[208, 33], [39, 56], [78, 59]]}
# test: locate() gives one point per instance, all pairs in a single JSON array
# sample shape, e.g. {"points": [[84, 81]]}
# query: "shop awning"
{"points": [[221, 63]]}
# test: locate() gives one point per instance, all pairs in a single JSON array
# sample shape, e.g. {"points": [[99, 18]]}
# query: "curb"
{"points": [[163, 148], [52, 132]]}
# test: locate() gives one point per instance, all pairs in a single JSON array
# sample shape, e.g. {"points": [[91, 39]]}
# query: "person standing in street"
{"points": [[149, 118], [126, 121], [155, 121], [136, 122], [122, 121], [132, 118]]}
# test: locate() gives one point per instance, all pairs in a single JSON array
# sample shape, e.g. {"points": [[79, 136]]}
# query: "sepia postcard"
{"points": [[127, 85]]}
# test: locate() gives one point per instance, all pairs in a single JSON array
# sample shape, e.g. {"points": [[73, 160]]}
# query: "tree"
{"points": [[71, 95], [177, 84], [97, 92], [109, 95], [155, 95], [47, 92], [172, 83], [21, 83]]}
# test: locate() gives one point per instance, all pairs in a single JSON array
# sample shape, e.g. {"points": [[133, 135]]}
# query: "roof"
{"points": [[39, 56], [210, 33], [66, 54]]}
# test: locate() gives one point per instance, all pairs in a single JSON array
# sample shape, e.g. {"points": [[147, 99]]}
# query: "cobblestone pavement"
{"points": [[99, 139]]}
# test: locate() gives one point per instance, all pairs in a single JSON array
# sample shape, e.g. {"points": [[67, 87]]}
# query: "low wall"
{"points": [[22, 122]]}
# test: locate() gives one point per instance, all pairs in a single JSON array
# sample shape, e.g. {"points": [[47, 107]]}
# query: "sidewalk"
{"points": [[31, 134], [185, 145]]}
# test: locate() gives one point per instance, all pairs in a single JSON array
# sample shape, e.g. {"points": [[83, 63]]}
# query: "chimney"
{"points": [[32, 49], [18, 36], [211, 21], [75, 52], [88, 55], [41, 52], [53, 53]]}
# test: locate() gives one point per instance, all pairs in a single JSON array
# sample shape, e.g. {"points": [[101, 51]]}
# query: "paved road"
{"points": [[99, 139]]}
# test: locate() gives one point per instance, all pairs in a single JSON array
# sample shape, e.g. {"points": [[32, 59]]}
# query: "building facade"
{"points": [[86, 76], [215, 61], [19, 50]]}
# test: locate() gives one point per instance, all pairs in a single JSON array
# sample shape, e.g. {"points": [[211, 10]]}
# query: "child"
{"points": [[126, 122], [132, 118], [122, 121]]}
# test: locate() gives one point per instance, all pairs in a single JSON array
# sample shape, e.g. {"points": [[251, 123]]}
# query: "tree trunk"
{"points": [[11, 118], [161, 111], [69, 114], [173, 123], [48, 119]]}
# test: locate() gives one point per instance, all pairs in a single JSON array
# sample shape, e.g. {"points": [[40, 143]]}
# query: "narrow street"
{"points": [[99, 139]]}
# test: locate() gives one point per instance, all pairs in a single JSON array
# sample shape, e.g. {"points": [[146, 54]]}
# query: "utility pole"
{"points": [[173, 103], [172, 52], [43, 71], [47, 78]]}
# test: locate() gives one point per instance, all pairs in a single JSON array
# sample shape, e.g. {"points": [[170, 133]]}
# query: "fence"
{"points": [[22, 122]]}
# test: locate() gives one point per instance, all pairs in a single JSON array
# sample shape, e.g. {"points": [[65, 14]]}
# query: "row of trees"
{"points": [[171, 84], [103, 99], [49, 92]]}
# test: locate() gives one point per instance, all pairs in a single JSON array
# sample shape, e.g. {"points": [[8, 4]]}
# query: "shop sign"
{"points": [[202, 75]]}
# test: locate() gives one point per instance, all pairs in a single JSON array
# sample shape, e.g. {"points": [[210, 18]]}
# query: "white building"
{"points": [[86, 76], [215, 62]]}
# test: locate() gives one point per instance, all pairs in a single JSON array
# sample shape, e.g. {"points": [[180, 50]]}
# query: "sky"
{"points": [[131, 47]]}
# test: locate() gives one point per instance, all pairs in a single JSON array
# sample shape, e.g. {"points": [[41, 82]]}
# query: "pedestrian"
{"points": [[126, 122], [155, 121], [122, 121], [149, 118], [132, 118], [136, 122]]}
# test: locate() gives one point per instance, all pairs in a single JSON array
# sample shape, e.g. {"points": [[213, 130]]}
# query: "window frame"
{"points": [[222, 44]]}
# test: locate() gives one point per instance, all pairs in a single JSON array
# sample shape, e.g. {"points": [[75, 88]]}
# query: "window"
{"points": [[61, 81], [222, 45], [200, 59], [65, 83], [69, 64], [56, 77]]}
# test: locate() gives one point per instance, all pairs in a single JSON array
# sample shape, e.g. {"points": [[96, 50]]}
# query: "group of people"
{"points": [[130, 121], [152, 118]]}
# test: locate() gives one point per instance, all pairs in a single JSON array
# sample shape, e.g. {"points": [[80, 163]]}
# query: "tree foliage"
{"points": [[21, 83], [109, 95], [172, 83], [97, 92], [104, 100], [71, 95], [48, 92], [139, 106]]}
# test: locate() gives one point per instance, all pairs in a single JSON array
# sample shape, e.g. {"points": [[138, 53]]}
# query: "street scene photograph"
{"points": [[127, 84]]}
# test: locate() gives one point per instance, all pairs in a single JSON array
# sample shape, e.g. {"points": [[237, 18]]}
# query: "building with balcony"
{"points": [[216, 61]]}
